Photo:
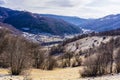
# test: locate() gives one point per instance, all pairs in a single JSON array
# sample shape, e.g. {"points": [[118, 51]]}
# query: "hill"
{"points": [[70, 19], [106, 23], [32, 23]]}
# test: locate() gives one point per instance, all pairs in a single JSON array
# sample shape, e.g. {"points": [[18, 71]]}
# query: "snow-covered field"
{"points": [[42, 37], [106, 77]]}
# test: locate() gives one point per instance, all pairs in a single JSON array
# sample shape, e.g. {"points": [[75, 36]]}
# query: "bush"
{"points": [[38, 57], [91, 72], [49, 63], [91, 67]]}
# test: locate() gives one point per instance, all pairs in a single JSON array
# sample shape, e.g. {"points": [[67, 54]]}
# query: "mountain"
{"points": [[32, 23], [10, 28], [6, 12], [73, 20], [55, 24], [106, 23]]}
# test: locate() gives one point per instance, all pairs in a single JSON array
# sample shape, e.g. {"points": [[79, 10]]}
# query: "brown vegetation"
{"points": [[102, 62], [19, 54]]}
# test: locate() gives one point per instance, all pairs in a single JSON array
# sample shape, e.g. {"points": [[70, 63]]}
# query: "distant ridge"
{"points": [[33, 23]]}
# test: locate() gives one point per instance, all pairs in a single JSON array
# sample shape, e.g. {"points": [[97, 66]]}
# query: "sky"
{"points": [[80, 8]]}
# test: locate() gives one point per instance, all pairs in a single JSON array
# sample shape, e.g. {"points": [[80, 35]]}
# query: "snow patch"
{"points": [[86, 30], [0, 27], [26, 29]]}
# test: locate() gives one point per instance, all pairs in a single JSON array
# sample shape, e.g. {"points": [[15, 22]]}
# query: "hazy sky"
{"points": [[81, 8]]}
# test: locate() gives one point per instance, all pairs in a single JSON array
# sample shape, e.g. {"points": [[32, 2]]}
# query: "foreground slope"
{"points": [[57, 74]]}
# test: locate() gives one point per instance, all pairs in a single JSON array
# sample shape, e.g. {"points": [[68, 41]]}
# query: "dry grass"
{"points": [[56, 74], [3, 71]]}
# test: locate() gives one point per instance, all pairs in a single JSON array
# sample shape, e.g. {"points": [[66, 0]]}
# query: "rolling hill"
{"points": [[70, 19], [32, 23], [106, 23]]}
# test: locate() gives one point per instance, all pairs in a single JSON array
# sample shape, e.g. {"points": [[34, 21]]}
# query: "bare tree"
{"points": [[68, 55], [117, 60], [18, 54], [39, 57], [98, 65]]}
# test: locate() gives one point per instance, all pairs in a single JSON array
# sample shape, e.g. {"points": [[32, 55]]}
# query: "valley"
{"points": [[37, 46]]}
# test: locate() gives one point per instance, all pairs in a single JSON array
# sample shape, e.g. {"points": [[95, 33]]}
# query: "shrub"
{"points": [[91, 72], [38, 57], [49, 63]]}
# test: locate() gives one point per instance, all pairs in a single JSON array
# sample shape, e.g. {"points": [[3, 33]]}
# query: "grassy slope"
{"points": [[56, 74]]}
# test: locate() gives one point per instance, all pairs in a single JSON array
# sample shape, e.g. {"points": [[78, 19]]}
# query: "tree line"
{"points": [[105, 59], [19, 54]]}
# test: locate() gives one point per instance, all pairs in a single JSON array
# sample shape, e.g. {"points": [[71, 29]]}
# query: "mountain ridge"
{"points": [[109, 22], [32, 23]]}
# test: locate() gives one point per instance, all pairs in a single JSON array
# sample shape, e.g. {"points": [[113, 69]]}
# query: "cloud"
{"points": [[81, 8], [2, 2], [60, 3]]}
